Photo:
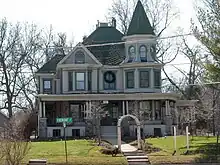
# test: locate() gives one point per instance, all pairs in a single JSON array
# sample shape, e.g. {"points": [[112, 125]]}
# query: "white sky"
{"points": [[75, 17]]}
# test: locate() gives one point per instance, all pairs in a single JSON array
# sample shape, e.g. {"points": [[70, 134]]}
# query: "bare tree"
{"points": [[97, 112], [16, 43]]}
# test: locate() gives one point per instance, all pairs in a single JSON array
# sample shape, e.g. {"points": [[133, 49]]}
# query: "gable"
{"points": [[79, 55]]}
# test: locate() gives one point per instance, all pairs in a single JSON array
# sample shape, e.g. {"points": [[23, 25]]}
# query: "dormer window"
{"points": [[79, 57], [143, 53], [131, 52]]}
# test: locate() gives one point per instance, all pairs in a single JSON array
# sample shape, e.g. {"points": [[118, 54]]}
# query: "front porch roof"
{"points": [[107, 96]]}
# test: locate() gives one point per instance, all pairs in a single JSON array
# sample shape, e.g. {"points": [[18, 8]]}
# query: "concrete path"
{"points": [[128, 148], [124, 147]]}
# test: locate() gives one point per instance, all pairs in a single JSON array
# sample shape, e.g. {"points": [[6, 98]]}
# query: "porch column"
{"points": [[86, 111], [40, 109], [127, 111], [123, 108], [44, 110], [153, 110], [166, 107], [90, 109]]}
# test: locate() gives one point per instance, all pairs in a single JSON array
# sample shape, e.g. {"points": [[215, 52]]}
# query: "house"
{"points": [[108, 67]]}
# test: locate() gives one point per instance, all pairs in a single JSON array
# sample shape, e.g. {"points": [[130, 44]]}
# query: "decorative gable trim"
{"points": [[74, 49]]}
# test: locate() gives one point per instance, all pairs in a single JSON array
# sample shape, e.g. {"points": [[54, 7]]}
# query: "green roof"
{"points": [[140, 24], [108, 54], [51, 65], [104, 35]]}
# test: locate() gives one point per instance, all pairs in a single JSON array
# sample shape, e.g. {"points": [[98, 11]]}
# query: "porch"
{"points": [[153, 110]]}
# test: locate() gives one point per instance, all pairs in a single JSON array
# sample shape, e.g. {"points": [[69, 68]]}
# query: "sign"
{"points": [[66, 120]]}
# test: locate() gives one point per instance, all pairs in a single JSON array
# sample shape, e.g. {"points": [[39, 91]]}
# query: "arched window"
{"points": [[79, 57], [143, 53], [131, 52]]}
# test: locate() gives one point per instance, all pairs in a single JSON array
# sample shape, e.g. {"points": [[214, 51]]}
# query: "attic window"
{"points": [[79, 57]]}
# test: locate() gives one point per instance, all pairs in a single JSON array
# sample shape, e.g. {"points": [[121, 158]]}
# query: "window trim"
{"points": [[76, 54], [149, 75], [126, 78], [84, 81]]}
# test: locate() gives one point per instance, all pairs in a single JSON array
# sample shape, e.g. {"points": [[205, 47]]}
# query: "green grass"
{"points": [[202, 149], [80, 152]]}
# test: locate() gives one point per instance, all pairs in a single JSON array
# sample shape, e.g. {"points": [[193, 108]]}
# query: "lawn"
{"points": [[80, 152], [202, 149]]}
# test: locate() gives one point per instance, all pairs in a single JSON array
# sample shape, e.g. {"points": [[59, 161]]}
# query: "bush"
{"points": [[13, 145]]}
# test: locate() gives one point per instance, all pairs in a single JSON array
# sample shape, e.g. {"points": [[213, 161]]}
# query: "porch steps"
{"points": [[136, 158]]}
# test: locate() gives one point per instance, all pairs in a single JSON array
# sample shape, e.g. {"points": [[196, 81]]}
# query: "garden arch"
{"points": [[138, 130]]}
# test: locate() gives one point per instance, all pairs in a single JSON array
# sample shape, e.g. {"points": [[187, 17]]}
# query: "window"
{"points": [[76, 133], [157, 79], [130, 79], [47, 86], [111, 85], [131, 53], [144, 79], [143, 53], [70, 81], [79, 57], [80, 81], [56, 133]]}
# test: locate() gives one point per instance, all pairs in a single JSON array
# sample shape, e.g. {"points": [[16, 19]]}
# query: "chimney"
{"points": [[113, 22], [97, 25]]}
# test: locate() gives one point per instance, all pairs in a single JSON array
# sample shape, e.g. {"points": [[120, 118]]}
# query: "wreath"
{"points": [[112, 77]]}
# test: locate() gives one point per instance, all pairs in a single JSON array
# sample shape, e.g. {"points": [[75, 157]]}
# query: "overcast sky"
{"points": [[75, 17]]}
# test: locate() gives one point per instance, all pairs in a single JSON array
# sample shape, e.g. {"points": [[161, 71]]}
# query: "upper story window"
{"points": [[80, 81], [131, 52], [144, 79], [143, 53], [79, 57], [47, 86], [109, 80], [130, 79]]}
